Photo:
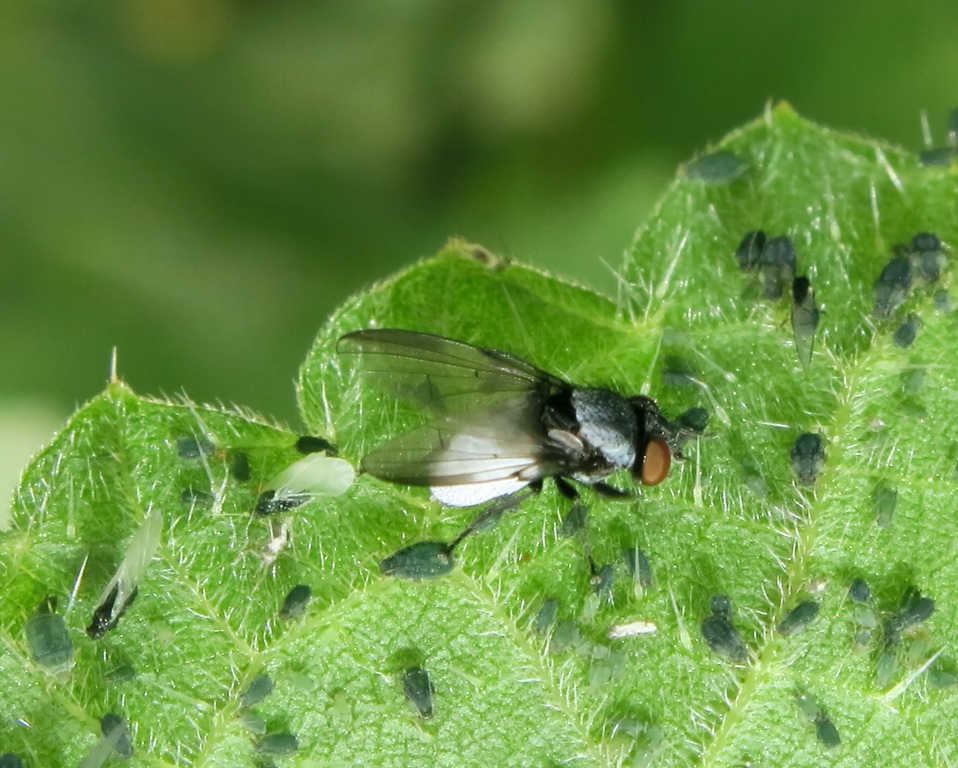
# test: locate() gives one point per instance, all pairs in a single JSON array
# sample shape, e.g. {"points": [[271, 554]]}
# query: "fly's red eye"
{"points": [[658, 459]]}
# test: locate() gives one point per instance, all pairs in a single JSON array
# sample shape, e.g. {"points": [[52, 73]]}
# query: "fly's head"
{"points": [[654, 442]]}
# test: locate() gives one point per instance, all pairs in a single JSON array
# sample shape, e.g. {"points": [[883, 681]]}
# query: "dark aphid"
{"points": [[937, 156], [723, 638], [925, 242], [749, 251], [499, 424], [106, 746], [239, 466], [694, 420], [278, 745], [915, 609], [315, 475], [123, 588], [424, 560], [124, 673], [124, 744], [419, 690], [884, 501], [927, 258], [720, 633], [638, 564], [905, 333], [716, 167], [601, 579], [827, 733], [892, 286], [10, 760], [194, 447], [48, 637], [808, 457], [798, 618], [805, 318], [942, 301], [575, 519], [294, 606], [546, 617], [777, 265], [859, 591], [261, 687], [311, 444]]}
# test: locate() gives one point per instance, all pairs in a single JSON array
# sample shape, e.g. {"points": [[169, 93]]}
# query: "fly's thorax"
{"points": [[607, 423]]}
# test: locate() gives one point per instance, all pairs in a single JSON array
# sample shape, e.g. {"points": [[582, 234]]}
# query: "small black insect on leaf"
{"points": [[859, 591], [546, 617], [805, 318], [294, 606], [309, 444], [10, 760], [423, 560], [419, 690], [906, 333], [808, 457], [720, 633], [798, 618], [48, 637], [601, 579], [638, 564], [194, 447], [927, 256], [278, 744], [109, 724], [915, 608], [892, 286], [261, 687]]}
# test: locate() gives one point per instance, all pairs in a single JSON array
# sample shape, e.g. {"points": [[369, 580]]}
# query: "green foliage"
{"points": [[509, 687]]}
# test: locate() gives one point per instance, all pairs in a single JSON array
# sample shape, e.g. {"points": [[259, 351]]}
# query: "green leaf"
{"points": [[514, 642]]}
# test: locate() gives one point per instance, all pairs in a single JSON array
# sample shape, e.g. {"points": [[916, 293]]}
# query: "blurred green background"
{"points": [[199, 182]]}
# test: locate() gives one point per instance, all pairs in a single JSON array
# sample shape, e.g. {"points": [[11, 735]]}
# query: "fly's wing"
{"points": [[442, 374], [504, 445]]}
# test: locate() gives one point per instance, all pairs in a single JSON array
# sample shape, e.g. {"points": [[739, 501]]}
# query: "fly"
{"points": [[500, 425]]}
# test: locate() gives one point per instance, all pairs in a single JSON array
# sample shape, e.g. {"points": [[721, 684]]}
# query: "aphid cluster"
{"points": [[919, 262], [776, 263], [825, 729], [914, 609]]}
